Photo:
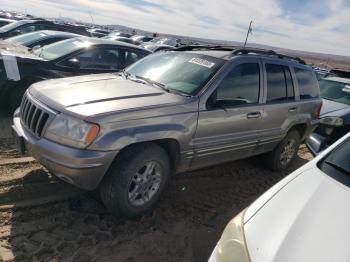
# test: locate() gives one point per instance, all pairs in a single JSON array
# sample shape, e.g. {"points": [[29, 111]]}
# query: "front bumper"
{"points": [[80, 167]]}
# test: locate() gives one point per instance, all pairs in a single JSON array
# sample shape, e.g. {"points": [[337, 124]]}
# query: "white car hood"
{"points": [[307, 220]]}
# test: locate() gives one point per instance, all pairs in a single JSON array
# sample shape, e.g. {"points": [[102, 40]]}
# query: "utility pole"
{"points": [[248, 32]]}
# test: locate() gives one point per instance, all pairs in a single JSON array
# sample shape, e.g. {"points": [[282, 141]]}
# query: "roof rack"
{"points": [[267, 52], [239, 50], [205, 47]]}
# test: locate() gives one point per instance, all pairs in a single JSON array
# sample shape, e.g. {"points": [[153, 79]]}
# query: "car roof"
{"points": [[102, 41], [57, 33], [7, 19], [213, 53], [230, 52], [338, 79]]}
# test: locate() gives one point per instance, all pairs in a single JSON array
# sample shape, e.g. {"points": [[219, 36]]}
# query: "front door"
{"points": [[229, 121]]}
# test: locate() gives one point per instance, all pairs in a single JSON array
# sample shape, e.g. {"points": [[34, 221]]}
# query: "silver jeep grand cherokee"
{"points": [[126, 133]]}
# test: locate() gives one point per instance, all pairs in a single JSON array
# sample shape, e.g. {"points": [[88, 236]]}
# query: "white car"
{"points": [[304, 217]]}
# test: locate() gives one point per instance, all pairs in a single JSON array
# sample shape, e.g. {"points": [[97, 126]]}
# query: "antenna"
{"points": [[92, 19], [250, 29]]}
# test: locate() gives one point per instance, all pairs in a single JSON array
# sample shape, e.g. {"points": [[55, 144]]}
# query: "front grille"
{"points": [[33, 117]]}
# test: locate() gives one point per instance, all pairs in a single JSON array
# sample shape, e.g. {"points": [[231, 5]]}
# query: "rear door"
{"points": [[230, 116], [281, 106]]}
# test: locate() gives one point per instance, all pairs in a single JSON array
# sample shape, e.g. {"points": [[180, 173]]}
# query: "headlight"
{"points": [[72, 132], [332, 121], [232, 246]]}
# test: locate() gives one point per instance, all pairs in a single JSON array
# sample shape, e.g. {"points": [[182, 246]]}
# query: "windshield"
{"points": [[335, 91], [59, 49], [182, 72], [337, 163], [12, 26], [26, 38], [341, 157]]}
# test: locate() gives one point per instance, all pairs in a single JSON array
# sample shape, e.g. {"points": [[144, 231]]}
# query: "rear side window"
{"points": [[279, 83], [104, 59], [240, 86], [307, 82]]}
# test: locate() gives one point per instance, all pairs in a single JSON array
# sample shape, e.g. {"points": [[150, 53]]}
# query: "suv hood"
{"points": [[9, 46], [100, 93], [307, 219]]}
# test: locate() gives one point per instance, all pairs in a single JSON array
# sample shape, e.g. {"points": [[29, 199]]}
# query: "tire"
{"points": [[275, 160], [122, 188]]}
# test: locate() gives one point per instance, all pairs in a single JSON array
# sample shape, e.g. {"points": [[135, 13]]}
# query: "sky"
{"points": [[309, 25]]}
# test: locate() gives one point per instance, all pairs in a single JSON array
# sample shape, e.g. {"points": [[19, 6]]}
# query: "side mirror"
{"points": [[316, 143], [15, 32], [34, 48], [75, 64]]}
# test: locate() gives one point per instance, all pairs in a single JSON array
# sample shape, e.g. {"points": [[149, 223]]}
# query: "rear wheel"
{"points": [[136, 180], [284, 154]]}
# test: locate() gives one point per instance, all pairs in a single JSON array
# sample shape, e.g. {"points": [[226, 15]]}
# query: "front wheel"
{"points": [[285, 153], [136, 180]]}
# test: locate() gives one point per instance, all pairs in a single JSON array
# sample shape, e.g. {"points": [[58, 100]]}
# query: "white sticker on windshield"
{"points": [[202, 62], [346, 89], [11, 67]]}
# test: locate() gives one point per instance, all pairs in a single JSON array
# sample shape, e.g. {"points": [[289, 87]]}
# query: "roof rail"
{"points": [[205, 47], [239, 50], [266, 52]]}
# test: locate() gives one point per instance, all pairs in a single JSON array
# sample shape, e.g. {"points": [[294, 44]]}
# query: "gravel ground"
{"points": [[73, 226]]}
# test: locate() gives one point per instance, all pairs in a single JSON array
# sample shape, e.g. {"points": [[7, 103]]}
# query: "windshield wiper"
{"points": [[162, 86], [124, 73], [152, 82]]}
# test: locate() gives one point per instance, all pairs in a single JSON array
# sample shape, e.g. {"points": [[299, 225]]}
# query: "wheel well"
{"points": [[171, 146], [301, 128]]}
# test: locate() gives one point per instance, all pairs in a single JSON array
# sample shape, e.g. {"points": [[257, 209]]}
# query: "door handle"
{"points": [[254, 115], [292, 109]]}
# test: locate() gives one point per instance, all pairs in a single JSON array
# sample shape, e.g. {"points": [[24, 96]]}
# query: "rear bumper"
{"points": [[82, 168]]}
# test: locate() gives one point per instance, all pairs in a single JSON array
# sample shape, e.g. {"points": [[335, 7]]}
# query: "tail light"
{"points": [[318, 110]]}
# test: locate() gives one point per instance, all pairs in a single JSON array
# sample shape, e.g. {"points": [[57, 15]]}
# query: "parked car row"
{"points": [[27, 26]]}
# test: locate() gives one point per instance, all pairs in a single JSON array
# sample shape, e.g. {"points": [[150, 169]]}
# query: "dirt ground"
{"points": [[43, 219]]}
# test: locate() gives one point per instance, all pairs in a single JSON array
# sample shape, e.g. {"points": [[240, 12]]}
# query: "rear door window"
{"points": [[307, 82], [279, 83]]}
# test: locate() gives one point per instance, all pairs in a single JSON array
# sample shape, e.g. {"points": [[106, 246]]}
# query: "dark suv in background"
{"points": [[169, 112]]}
